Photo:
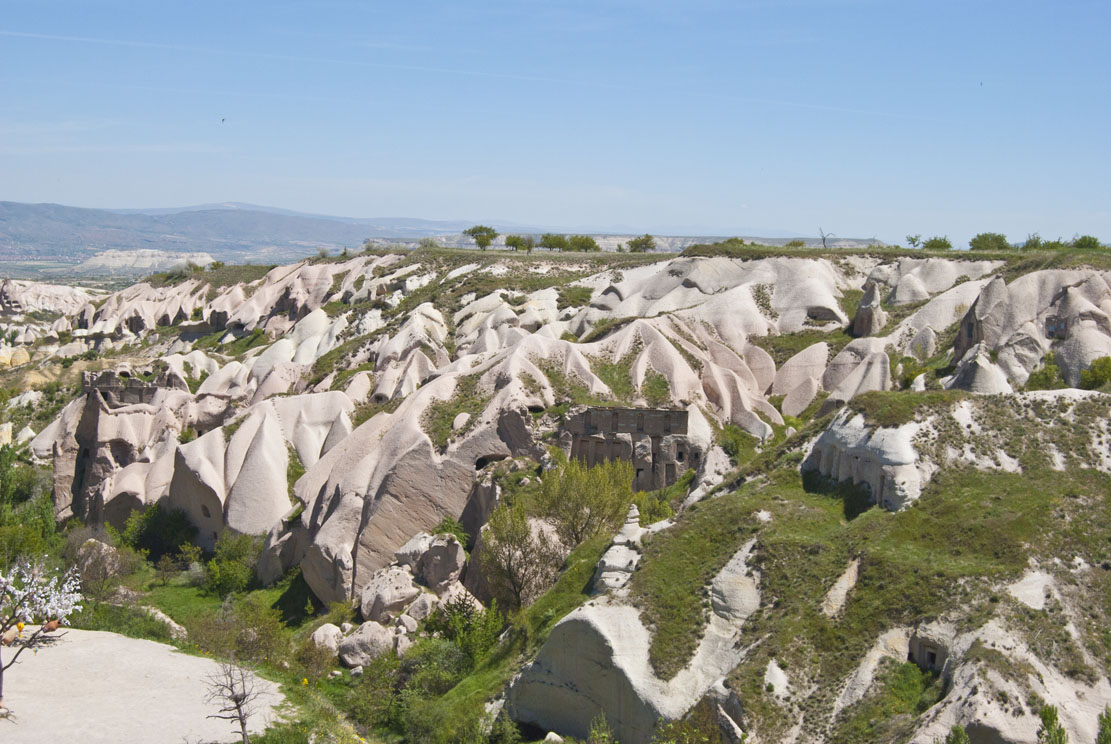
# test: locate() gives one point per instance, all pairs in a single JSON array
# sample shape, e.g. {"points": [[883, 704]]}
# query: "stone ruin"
{"points": [[653, 440]]}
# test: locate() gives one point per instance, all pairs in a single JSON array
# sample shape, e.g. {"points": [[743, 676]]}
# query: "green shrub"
{"points": [[232, 568], [956, 735], [1087, 243], [474, 630], [127, 621], [451, 526], [158, 530], [1047, 376], [573, 296], [1097, 375], [653, 506], [248, 630], [699, 726], [656, 389], [937, 243], [584, 501], [737, 443], [989, 242], [1051, 730]]}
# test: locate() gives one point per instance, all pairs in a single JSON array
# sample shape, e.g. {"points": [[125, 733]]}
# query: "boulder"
{"points": [[409, 553], [387, 592], [327, 636], [615, 568], [369, 641], [97, 561], [460, 421], [422, 606], [441, 563]]}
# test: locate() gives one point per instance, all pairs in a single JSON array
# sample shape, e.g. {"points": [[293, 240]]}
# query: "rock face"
{"points": [[870, 316], [609, 671], [883, 460]]}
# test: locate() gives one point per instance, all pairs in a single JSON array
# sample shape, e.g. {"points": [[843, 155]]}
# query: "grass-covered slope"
{"points": [[969, 534]]}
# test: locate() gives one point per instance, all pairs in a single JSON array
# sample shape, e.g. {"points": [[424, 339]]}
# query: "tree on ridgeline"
{"points": [[553, 241], [482, 235], [989, 241], [937, 243], [583, 244], [520, 242], [644, 244]]}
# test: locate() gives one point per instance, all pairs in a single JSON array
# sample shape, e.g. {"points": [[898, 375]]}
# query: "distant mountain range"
{"points": [[52, 240], [230, 232]]}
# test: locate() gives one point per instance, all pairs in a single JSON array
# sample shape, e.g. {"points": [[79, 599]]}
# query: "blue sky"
{"points": [[705, 116]]}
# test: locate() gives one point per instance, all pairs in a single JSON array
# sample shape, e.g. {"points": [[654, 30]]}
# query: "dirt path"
{"points": [[94, 687]]}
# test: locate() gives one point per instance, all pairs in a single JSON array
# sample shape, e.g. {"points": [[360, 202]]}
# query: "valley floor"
{"points": [[96, 687]]}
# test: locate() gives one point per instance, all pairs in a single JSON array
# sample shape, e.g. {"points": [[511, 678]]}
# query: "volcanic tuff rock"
{"points": [[341, 408]]}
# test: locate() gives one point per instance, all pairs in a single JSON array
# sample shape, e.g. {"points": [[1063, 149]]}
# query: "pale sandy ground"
{"points": [[92, 687]]}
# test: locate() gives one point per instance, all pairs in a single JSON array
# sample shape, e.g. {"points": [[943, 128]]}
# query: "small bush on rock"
{"points": [[1098, 375], [1046, 377]]}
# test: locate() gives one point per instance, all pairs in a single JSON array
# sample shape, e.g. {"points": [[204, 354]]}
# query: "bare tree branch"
{"points": [[233, 688]]}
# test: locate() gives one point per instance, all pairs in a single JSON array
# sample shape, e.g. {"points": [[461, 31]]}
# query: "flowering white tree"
{"points": [[29, 595]]}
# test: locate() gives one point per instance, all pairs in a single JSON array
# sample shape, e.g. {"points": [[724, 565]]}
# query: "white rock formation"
{"points": [[610, 672]]}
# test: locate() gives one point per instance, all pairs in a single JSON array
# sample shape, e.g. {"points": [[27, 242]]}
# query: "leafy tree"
{"points": [[1033, 242], [937, 243], [482, 235], [1104, 735], [989, 241], [520, 242], [553, 242], [584, 501], [644, 244], [1051, 731], [429, 244], [29, 594], [1097, 375], [166, 565], [914, 241], [1046, 377], [518, 563], [1087, 243], [582, 244], [158, 530], [232, 568]]}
